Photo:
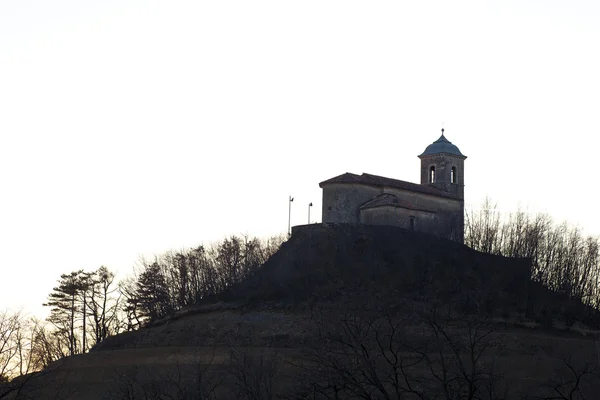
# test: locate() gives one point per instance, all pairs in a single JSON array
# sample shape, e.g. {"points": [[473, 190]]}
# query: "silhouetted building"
{"points": [[435, 206]]}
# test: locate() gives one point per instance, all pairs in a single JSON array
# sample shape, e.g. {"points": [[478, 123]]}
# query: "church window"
{"points": [[432, 174], [453, 175]]}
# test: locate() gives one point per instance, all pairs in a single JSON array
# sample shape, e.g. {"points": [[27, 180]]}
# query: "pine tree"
{"points": [[65, 303], [151, 294]]}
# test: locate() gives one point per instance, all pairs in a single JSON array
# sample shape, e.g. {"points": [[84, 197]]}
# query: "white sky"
{"points": [[128, 127]]}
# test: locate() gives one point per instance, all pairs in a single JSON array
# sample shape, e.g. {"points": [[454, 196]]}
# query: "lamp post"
{"points": [[309, 206], [290, 217]]}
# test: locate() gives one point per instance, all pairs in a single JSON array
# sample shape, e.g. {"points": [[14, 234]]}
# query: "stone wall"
{"points": [[342, 200], [449, 223], [341, 204], [396, 216]]}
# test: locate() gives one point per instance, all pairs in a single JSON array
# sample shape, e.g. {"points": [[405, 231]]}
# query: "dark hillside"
{"points": [[329, 262], [377, 267], [324, 262], [452, 318]]}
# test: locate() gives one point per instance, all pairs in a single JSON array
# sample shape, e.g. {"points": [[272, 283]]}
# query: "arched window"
{"points": [[432, 174], [453, 175]]}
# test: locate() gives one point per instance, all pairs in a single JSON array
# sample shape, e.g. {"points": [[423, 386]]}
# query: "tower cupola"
{"points": [[442, 166], [442, 145]]}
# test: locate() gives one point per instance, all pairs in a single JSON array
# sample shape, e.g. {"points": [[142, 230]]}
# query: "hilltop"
{"points": [[327, 275]]}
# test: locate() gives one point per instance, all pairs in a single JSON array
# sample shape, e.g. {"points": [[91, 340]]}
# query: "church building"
{"points": [[434, 206]]}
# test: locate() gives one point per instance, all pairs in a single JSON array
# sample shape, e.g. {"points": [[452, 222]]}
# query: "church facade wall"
{"points": [[423, 200], [341, 202], [423, 221], [449, 212]]}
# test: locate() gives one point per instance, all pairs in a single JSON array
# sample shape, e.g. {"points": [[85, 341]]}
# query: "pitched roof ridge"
{"points": [[377, 180], [390, 199], [385, 177], [381, 195], [345, 177]]}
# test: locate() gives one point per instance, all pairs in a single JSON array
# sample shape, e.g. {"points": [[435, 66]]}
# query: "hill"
{"points": [[438, 308]]}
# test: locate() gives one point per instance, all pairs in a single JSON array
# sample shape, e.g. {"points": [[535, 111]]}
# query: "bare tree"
{"points": [[254, 374], [130, 306], [203, 274], [203, 380], [11, 328], [175, 280], [229, 258], [457, 364], [562, 258], [482, 228], [46, 346], [392, 353], [575, 381], [102, 304], [18, 348]]}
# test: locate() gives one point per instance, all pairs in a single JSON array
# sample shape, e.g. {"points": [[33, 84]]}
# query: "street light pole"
{"points": [[309, 206], [290, 217]]}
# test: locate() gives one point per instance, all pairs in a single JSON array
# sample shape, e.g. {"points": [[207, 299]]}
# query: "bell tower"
{"points": [[442, 167]]}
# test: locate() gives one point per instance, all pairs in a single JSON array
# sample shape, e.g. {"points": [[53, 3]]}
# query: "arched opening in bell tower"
{"points": [[432, 174]]}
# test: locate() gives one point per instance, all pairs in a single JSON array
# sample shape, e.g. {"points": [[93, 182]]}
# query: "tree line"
{"points": [[562, 257], [174, 280], [87, 307]]}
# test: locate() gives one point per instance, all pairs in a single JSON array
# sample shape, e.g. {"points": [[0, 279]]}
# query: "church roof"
{"points": [[442, 145], [388, 199], [381, 181]]}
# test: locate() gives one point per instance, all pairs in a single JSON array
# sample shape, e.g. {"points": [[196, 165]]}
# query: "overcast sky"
{"points": [[128, 127]]}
